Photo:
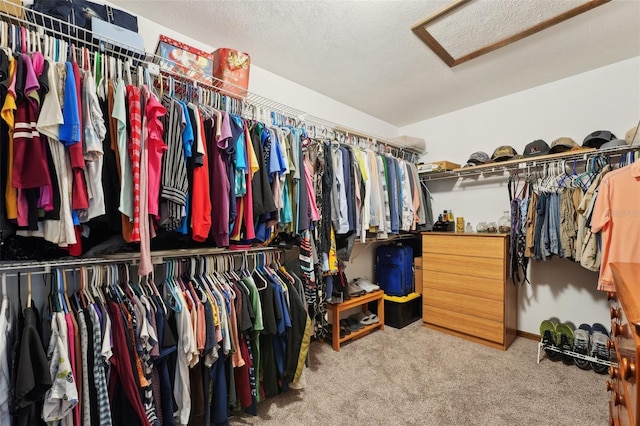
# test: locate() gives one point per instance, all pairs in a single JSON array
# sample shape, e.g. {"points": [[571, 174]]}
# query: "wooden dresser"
{"points": [[466, 290], [625, 328]]}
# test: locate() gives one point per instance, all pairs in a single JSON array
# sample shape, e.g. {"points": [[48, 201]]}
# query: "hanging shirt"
{"points": [[615, 218], [119, 113], [201, 216], [63, 395], [6, 323], [155, 112], [8, 115], [219, 192], [174, 167], [134, 149], [94, 133]]}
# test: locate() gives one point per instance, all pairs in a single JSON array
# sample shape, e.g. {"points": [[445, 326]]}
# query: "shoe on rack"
{"points": [[355, 290], [548, 334], [354, 323], [366, 285], [581, 344], [599, 340], [566, 333], [373, 318]]}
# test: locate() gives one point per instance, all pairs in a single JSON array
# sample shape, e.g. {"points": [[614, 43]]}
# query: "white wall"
{"points": [[607, 98], [279, 89]]}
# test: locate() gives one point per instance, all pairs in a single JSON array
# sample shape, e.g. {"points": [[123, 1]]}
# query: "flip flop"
{"points": [[549, 335], [566, 340]]}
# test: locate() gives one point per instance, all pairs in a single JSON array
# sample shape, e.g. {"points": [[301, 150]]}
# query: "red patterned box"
{"points": [[186, 60], [232, 69]]}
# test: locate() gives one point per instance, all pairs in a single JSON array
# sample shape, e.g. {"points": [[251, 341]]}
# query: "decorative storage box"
{"points": [[185, 60], [399, 312], [232, 68]]}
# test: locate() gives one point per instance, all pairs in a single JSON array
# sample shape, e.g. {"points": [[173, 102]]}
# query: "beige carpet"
{"points": [[416, 376]]}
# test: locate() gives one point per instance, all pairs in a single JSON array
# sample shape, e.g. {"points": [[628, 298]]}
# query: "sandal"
{"points": [[373, 318]]}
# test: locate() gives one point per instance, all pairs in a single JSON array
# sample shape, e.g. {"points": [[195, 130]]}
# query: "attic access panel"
{"points": [[466, 29]]}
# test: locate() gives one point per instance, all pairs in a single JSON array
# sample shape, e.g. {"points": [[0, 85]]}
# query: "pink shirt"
{"points": [[616, 215], [157, 147]]}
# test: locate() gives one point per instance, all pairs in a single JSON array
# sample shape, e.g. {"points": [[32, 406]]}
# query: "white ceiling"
{"points": [[364, 54]]}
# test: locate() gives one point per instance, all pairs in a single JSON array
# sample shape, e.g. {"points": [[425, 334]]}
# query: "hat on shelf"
{"points": [[535, 148], [478, 158], [504, 153], [563, 144], [633, 136], [614, 143], [597, 138]]}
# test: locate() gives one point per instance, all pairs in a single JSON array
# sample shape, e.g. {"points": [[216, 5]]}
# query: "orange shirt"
{"points": [[616, 215]]}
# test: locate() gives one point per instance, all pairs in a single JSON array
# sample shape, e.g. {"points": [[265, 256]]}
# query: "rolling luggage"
{"points": [[394, 269]]}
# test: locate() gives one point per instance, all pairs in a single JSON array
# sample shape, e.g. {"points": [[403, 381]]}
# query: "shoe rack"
{"points": [[543, 347], [363, 302]]}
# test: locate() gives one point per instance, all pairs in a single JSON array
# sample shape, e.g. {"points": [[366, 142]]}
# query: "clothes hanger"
{"points": [[29, 289], [62, 290]]}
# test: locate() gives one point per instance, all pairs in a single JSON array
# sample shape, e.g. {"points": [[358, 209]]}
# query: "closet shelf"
{"points": [[80, 37], [535, 163], [157, 257]]}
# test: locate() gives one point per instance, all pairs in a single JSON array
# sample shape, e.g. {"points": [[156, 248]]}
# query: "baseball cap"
{"points": [[477, 158], [535, 148], [633, 136], [504, 153], [613, 143], [563, 144], [597, 138]]}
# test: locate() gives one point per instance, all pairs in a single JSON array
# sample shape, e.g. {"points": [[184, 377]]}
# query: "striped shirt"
{"points": [[135, 122], [174, 185]]}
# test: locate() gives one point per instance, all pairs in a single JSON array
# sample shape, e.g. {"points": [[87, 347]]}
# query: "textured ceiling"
{"points": [[364, 54], [483, 22]]}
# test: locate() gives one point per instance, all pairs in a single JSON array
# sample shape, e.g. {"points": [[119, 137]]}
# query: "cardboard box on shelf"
{"points": [[438, 166]]}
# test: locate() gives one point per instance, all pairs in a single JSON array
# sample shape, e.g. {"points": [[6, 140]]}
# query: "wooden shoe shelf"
{"points": [[360, 301]]}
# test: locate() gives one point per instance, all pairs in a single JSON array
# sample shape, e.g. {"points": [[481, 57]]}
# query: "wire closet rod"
{"points": [[80, 37]]}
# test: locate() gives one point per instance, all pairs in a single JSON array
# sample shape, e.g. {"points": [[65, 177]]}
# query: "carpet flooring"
{"points": [[417, 376]]}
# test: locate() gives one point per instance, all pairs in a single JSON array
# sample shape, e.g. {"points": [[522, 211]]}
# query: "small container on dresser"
{"points": [[625, 329]]}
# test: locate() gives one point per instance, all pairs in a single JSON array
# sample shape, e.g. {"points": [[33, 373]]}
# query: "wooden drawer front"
{"points": [[473, 326], [476, 286], [464, 265], [464, 304], [464, 245]]}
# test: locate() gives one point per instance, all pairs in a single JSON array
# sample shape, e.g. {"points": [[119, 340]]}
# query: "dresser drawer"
{"points": [[486, 288], [463, 265], [464, 304], [468, 324], [464, 245]]}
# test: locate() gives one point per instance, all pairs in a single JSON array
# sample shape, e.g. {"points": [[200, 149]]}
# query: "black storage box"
{"points": [[402, 311]]}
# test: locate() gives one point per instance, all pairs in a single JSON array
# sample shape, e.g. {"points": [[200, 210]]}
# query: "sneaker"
{"points": [[566, 340], [366, 285], [599, 350], [548, 334], [581, 345], [355, 290]]}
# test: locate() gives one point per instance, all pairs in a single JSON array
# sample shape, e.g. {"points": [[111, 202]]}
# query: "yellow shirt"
{"points": [[8, 115]]}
